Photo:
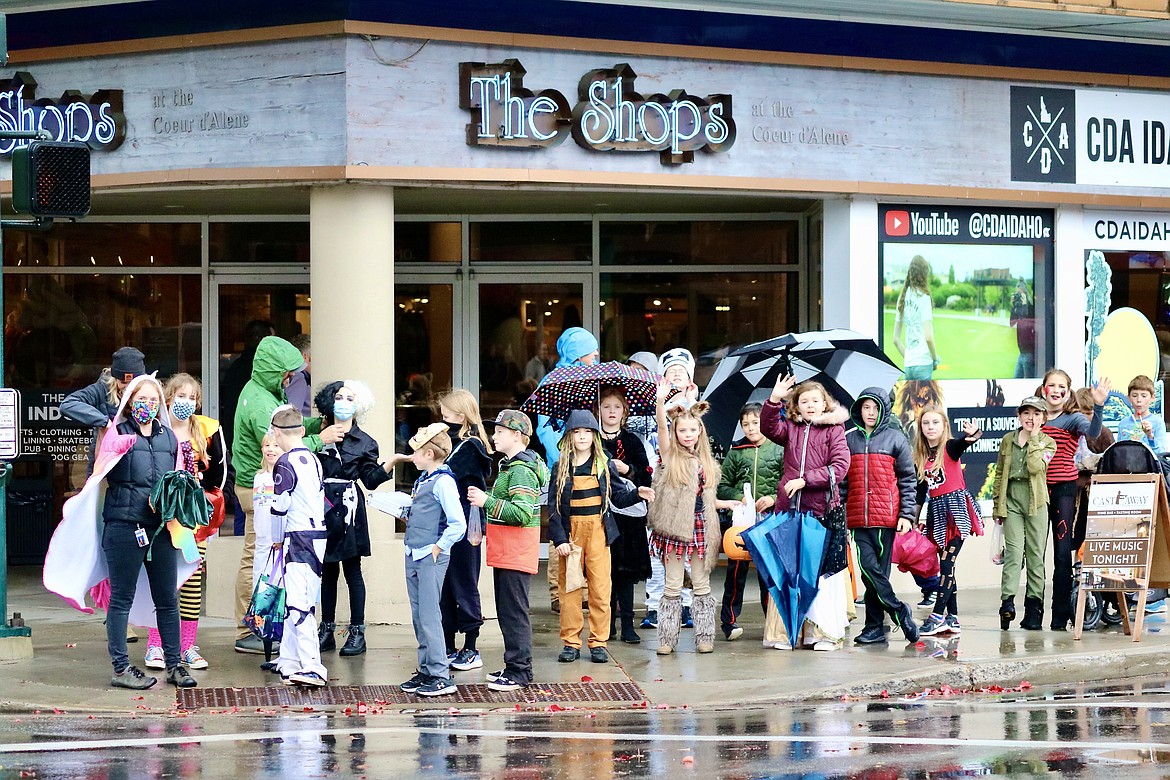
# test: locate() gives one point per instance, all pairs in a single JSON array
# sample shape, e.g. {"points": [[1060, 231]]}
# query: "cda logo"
{"points": [[1043, 127]]}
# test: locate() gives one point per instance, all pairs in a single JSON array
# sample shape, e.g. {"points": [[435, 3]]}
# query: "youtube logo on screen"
{"points": [[897, 223]]}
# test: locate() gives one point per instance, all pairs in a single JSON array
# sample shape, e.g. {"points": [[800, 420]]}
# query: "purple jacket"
{"points": [[825, 437]]}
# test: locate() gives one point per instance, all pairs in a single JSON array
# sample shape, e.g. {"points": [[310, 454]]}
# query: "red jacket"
{"points": [[881, 484], [820, 443]]}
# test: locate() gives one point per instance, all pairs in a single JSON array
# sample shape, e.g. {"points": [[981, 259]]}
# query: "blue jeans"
{"points": [[125, 560], [918, 372], [1025, 365]]}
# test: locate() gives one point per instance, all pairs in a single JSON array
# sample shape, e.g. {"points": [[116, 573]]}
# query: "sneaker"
{"points": [[492, 676], [466, 659], [651, 619], [436, 686], [825, 645], [688, 620], [909, 627], [1156, 608], [953, 624], [155, 658], [451, 656], [132, 677], [934, 624], [192, 658], [286, 679], [178, 677], [927, 600], [504, 683], [414, 683], [270, 666], [310, 679], [254, 645], [872, 635], [734, 633], [598, 655], [569, 654]]}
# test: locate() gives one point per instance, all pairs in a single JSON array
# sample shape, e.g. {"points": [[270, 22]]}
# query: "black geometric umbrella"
{"points": [[578, 387], [844, 361]]}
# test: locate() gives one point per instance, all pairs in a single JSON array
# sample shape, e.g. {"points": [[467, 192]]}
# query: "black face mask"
{"points": [[453, 429]]}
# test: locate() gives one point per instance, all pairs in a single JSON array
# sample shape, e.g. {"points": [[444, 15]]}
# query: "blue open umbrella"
{"points": [[763, 553]]}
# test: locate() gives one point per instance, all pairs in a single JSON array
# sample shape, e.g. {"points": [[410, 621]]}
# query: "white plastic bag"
{"points": [[745, 513], [475, 526], [997, 543]]}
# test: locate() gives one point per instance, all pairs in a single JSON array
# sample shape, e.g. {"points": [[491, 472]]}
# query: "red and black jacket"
{"points": [[881, 483]]}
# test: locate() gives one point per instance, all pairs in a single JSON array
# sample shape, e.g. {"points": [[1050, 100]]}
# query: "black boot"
{"points": [[1033, 614], [355, 643], [629, 636], [1007, 612], [325, 637]]}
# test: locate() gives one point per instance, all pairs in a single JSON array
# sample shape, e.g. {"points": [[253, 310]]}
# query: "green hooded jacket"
{"points": [[259, 399], [515, 496], [745, 462]]}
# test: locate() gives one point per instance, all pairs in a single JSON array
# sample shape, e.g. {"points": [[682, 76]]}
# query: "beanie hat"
{"points": [[127, 364], [678, 357], [647, 359]]}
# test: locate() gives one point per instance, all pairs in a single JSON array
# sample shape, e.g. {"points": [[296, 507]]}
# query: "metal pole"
{"points": [[6, 627]]}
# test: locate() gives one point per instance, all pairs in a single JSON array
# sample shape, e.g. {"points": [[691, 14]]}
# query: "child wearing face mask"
{"points": [[345, 463], [814, 442], [204, 454]]}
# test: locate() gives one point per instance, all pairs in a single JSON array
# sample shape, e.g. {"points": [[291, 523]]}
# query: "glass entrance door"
{"points": [[247, 308], [518, 324]]}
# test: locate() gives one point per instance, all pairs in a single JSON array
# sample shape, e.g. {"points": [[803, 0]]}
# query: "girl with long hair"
{"points": [[471, 464], [1066, 425], [952, 514], [684, 526], [584, 486], [204, 453], [630, 554], [914, 323]]}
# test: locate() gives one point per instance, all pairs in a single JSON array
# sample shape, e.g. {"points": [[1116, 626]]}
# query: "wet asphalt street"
{"points": [[1057, 732]]}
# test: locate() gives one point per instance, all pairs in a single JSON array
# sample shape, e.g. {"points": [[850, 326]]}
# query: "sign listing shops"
{"points": [[609, 115], [95, 120]]}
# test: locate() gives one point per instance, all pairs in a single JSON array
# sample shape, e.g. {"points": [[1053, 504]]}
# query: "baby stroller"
{"points": [[1123, 457]]}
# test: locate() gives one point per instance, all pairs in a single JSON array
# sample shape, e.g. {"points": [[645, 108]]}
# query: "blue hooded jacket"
{"points": [[574, 344]]}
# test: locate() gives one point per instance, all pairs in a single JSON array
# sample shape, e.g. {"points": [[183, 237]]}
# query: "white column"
{"points": [[850, 287], [351, 273]]}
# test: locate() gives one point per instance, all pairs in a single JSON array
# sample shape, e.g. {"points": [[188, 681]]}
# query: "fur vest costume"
{"points": [[672, 513]]}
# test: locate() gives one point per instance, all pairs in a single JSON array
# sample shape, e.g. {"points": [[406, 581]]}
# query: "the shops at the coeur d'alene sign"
{"points": [[95, 120], [609, 116]]}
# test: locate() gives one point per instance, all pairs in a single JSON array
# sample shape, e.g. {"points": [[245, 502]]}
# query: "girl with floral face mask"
{"points": [[345, 404], [203, 452]]}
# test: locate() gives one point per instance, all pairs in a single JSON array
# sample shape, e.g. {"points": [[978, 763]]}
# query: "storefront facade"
{"points": [[436, 205]]}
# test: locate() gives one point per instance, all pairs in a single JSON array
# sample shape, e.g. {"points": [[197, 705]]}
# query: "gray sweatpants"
{"points": [[424, 586]]}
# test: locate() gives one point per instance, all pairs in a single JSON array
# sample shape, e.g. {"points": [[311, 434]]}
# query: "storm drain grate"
{"points": [[391, 695]]}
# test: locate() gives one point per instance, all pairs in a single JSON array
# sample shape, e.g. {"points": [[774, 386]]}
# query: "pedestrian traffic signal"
{"points": [[51, 179]]}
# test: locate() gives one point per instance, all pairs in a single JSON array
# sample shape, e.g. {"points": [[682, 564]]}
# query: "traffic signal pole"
{"points": [[15, 637]]}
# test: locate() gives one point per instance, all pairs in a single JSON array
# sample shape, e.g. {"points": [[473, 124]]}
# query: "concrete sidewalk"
{"points": [[70, 670]]}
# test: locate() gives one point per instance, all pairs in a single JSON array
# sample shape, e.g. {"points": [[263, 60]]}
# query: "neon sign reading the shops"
{"points": [[96, 120], [609, 115]]}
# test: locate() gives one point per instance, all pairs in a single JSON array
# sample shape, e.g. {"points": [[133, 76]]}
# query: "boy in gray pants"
{"points": [[434, 522]]}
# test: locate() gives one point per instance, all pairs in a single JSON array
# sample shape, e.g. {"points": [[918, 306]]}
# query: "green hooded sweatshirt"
{"points": [[259, 399]]}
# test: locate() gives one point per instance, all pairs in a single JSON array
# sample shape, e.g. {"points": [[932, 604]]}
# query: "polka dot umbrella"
{"points": [[578, 387]]}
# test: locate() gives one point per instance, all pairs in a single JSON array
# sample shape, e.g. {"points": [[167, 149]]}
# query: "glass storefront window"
{"points": [[60, 333], [422, 242], [520, 242], [700, 243], [105, 245], [706, 313], [258, 242]]}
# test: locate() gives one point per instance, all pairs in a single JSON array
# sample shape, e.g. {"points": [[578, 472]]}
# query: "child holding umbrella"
{"points": [[814, 442]]}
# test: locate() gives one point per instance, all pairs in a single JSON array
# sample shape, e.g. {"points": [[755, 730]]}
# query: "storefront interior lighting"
{"points": [[548, 314], [657, 302], [120, 260], [424, 300], [92, 261], [722, 308]]}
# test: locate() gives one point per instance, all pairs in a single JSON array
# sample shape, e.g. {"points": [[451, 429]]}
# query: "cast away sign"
{"points": [[609, 115], [1090, 136]]}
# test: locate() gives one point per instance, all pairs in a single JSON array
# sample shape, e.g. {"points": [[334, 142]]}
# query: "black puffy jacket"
{"points": [[129, 483]]}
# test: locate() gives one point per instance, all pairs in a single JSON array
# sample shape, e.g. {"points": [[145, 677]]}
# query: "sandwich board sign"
{"points": [[1127, 543]]}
